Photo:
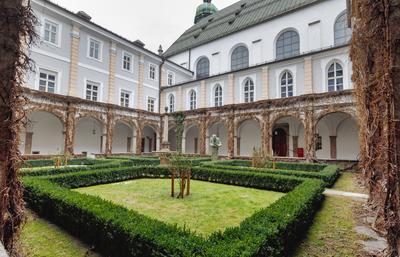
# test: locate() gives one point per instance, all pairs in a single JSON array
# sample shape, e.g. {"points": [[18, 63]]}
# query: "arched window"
{"points": [[288, 44], [240, 58], [171, 103], [342, 31], [286, 84], [335, 77], [192, 100], [218, 96], [203, 68], [248, 91]]}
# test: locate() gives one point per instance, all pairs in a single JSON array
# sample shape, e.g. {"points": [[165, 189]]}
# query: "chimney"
{"points": [[84, 15]]}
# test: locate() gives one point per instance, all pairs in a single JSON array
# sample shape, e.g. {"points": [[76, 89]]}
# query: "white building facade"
{"points": [[264, 58]]}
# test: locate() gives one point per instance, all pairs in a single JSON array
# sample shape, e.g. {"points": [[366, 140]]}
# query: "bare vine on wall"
{"points": [[375, 54], [17, 32], [179, 129]]}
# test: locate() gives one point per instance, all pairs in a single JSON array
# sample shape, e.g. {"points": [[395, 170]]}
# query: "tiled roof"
{"points": [[236, 17]]}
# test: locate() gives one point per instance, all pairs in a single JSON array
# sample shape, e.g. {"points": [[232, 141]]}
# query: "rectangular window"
{"points": [[125, 98], [170, 78], [92, 90], [51, 32], [151, 104], [152, 72], [94, 49], [47, 81], [127, 62]]}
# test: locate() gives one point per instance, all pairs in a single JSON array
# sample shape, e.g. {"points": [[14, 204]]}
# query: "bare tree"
{"points": [[375, 53], [16, 33]]}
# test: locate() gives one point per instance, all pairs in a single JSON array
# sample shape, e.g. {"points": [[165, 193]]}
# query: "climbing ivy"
{"points": [[179, 119]]}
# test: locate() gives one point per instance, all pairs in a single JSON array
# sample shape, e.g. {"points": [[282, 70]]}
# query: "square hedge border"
{"points": [[117, 231], [328, 173]]}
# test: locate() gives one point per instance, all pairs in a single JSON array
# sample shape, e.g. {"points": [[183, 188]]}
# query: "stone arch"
{"points": [[44, 133], [248, 135], [60, 114], [287, 132], [191, 136], [219, 128], [337, 135], [123, 136], [90, 134]]}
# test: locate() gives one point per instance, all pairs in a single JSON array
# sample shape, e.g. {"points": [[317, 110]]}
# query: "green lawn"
{"points": [[209, 208], [39, 238], [349, 181], [332, 232]]}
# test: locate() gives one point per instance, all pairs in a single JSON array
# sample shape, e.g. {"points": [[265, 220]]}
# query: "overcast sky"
{"points": [[154, 22]]}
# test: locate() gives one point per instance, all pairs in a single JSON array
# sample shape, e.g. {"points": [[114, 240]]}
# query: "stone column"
{"points": [[295, 140], [141, 75], [165, 140], [310, 136], [265, 82], [202, 96], [28, 142], [70, 124], [73, 66], [308, 76], [111, 76], [231, 89], [333, 146], [203, 137], [109, 133], [139, 139], [231, 137], [266, 136]]}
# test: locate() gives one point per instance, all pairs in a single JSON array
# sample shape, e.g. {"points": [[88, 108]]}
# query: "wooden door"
{"points": [[279, 142]]}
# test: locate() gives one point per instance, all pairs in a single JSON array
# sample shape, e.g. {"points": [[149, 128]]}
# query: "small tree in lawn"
{"points": [[215, 143], [180, 167]]}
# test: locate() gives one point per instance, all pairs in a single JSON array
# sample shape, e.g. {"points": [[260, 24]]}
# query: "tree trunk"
{"points": [[375, 53], [16, 30]]}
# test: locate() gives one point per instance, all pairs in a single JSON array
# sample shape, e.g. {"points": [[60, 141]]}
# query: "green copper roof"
{"points": [[236, 17], [204, 10]]}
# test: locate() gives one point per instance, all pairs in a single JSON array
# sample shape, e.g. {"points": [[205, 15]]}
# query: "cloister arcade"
{"points": [[329, 131]]}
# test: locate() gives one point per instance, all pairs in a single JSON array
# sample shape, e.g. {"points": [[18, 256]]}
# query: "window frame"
{"points": [[154, 100], [335, 39], [90, 38], [253, 91], [278, 38], [192, 104], [58, 32], [172, 78], [171, 110], [206, 75], [231, 59], [155, 71], [125, 53], [218, 101], [56, 80], [286, 85], [99, 90], [130, 100], [335, 76]]}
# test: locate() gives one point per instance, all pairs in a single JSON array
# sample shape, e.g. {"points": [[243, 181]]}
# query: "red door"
{"points": [[279, 144]]}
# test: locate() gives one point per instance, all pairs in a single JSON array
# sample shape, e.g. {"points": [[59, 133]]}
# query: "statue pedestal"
{"points": [[164, 154]]}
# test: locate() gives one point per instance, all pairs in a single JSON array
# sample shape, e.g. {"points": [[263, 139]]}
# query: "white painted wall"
{"points": [[48, 137], [85, 140], [250, 137], [120, 138], [312, 37], [190, 135], [148, 132]]}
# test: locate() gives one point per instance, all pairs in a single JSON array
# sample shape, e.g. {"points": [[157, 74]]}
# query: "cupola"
{"points": [[204, 10]]}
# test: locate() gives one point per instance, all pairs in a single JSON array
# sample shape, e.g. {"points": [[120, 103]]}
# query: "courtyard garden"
{"points": [[122, 206]]}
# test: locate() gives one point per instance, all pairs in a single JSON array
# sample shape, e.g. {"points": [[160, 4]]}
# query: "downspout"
{"points": [[190, 58], [159, 84]]}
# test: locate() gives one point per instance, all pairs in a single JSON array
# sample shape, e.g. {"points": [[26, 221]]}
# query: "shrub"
{"points": [[50, 162], [117, 231]]}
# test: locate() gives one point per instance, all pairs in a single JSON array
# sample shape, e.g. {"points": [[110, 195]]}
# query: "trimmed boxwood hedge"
{"points": [[278, 165], [328, 174], [50, 162], [117, 231], [101, 164]]}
